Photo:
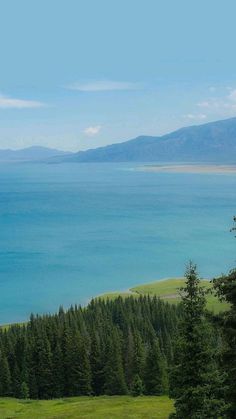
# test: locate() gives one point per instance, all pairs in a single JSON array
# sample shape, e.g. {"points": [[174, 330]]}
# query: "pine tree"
{"points": [[138, 355], [44, 374], [137, 387], [198, 386], [24, 391], [5, 376], [226, 290], [58, 371], [155, 374], [84, 376], [114, 373], [97, 364], [77, 366]]}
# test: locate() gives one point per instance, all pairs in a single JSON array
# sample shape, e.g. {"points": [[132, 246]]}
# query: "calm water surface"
{"points": [[72, 231]]}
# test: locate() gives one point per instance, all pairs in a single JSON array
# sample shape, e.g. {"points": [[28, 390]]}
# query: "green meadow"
{"points": [[169, 290], [104, 407]]}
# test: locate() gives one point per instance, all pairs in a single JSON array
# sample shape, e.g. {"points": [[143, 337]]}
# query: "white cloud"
{"points": [[103, 85], [13, 103], [199, 116], [92, 130]]}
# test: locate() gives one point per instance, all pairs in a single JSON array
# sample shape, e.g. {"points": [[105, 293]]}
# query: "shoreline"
{"points": [[190, 168], [166, 289]]}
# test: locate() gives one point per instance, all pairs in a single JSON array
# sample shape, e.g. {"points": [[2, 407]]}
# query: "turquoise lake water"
{"points": [[72, 231]]}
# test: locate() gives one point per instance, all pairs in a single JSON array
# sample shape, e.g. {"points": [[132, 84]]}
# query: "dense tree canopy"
{"points": [[108, 347]]}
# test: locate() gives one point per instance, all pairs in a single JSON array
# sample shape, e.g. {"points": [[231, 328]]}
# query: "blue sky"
{"points": [[78, 74]]}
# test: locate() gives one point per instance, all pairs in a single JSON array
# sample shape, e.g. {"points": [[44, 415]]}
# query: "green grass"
{"points": [[168, 290], [117, 407]]}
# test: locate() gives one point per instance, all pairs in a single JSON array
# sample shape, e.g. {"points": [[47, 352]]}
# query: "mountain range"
{"points": [[34, 153], [211, 142], [214, 142]]}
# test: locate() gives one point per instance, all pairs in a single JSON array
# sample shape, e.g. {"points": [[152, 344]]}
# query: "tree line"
{"points": [[123, 346]]}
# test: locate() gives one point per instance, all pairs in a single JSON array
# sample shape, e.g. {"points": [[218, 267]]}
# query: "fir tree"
{"points": [[226, 290], [58, 371], [44, 374], [24, 391], [198, 386], [114, 372], [97, 364], [155, 374], [5, 376], [137, 387], [84, 376]]}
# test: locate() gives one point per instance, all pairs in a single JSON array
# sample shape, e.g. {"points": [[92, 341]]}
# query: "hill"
{"points": [[168, 290], [34, 153], [88, 407], [211, 142]]}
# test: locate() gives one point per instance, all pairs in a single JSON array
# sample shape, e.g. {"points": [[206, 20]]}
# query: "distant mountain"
{"points": [[34, 153], [212, 142]]}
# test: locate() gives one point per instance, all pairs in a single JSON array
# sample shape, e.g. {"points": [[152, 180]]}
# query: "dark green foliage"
{"points": [[196, 382], [58, 371], [114, 371], [226, 289], [43, 369], [5, 376], [137, 387], [97, 364], [24, 391], [155, 377], [103, 348]]}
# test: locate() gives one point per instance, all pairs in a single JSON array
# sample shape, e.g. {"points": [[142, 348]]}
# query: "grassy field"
{"points": [[117, 407], [168, 290]]}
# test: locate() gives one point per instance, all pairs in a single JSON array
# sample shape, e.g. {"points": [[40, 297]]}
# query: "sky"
{"points": [[79, 74]]}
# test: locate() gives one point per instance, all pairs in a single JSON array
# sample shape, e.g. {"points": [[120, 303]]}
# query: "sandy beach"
{"points": [[190, 168]]}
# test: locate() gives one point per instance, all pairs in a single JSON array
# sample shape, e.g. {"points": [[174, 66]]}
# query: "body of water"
{"points": [[72, 231]]}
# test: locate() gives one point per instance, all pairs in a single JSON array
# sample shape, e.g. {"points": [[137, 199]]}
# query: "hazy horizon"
{"points": [[111, 72], [37, 145]]}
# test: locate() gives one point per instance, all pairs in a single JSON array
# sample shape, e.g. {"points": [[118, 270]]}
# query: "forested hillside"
{"points": [[109, 347]]}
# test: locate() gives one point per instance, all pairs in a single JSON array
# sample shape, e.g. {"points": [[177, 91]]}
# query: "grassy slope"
{"points": [[120, 407], [168, 290]]}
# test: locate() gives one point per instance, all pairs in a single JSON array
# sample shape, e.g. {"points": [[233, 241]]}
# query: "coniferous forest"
{"points": [[137, 346], [109, 347]]}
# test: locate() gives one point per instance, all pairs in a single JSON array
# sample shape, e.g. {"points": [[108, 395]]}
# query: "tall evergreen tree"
{"points": [[5, 376], [226, 290], [58, 371], [155, 376], [97, 364], [44, 371], [114, 371], [198, 387], [84, 378], [137, 387], [24, 391]]}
